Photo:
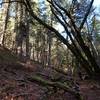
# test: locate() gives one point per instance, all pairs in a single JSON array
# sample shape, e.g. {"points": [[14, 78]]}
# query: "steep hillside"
{"points": [[20, 80], [13, 72], [30, 81]]}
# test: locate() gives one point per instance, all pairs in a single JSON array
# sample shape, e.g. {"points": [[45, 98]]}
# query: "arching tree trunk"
{"points": [[83, 55]]}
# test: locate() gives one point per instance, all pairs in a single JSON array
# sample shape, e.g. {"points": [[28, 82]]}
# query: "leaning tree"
{"points": [[77, 45]]}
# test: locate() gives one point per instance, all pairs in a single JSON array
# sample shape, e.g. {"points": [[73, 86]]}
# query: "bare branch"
{"points": [[47, 26], [68, 14], [86, 15]]}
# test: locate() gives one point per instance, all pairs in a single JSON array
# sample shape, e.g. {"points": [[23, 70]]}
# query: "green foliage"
{"points": [[97, 37]]}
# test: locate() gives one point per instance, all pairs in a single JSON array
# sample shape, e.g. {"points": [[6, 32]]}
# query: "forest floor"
{"points": [[15, 86]]}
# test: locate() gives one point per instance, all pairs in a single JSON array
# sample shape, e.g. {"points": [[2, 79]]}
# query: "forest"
{"points": [[49, 50]]}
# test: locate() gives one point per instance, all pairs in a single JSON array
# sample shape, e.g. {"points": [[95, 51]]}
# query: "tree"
{"points": [[80, 49], [6, 21], [67, 17]]}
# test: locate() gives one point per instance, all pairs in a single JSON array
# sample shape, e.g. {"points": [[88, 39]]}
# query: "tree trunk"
{"points": [[59, 85], [5, 24]]}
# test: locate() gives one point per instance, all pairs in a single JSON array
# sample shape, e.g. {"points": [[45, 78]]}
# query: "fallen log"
{"points": [[59, 85], [59, 71]]}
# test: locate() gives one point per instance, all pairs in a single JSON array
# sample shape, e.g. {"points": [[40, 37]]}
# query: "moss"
{"points": [[6, 57]]}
